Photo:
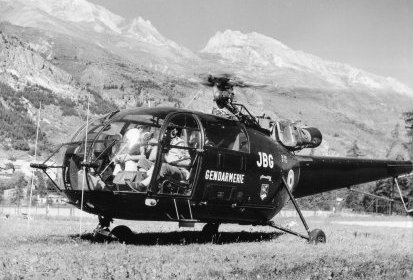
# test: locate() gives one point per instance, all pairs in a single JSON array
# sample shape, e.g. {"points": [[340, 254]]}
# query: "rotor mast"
{"points": [[224, 97]]}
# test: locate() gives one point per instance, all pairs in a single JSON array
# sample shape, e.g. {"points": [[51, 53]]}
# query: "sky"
{"points": [[373, 35]]}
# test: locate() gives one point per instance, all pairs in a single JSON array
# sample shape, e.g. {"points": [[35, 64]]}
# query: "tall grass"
{"points": [[52, 249]]}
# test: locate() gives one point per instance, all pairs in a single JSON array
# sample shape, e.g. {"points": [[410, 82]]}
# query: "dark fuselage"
{"points": [[239, 174]]}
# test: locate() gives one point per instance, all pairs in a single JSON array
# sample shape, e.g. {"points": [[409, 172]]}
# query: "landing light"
{"points": [[90, 205], [150, 202]]}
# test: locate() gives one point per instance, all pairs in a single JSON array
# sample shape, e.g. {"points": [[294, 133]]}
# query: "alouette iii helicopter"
{"points": [[171, 164]]}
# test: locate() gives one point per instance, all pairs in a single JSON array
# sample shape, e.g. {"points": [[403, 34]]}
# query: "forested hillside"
{"points": [[18, 112]]}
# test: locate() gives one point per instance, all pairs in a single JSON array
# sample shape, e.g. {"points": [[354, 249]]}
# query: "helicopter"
{"points": [[231, 168]]}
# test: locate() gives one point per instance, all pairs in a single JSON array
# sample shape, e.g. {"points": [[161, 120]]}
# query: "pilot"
{"points": [[194, 142], [133, 149], [175, 162]]}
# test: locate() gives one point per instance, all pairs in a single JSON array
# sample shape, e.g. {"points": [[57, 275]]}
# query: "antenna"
{"points": [[84, 167], [35, 158]]}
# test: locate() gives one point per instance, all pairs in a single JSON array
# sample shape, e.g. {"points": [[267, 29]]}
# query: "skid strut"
{"points": [[314, 236], [396, 183]]}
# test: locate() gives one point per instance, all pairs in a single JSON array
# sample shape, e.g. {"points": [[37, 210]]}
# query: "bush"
{"points": [[21, 145], [9, 165], [68, 111], [14, 121], [100, 106], [12, 158]]}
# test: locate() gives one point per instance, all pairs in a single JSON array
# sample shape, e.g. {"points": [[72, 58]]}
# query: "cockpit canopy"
{"points": [[124, 152], [152, 149], [113, 145]]}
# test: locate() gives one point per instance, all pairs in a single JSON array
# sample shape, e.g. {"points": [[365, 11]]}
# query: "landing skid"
{"points": [[102, 233], [210, 232], [314, 237]]}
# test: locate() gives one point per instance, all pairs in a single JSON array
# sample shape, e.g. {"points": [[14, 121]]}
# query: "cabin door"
{"points": [[226, 150], [178, 159]]}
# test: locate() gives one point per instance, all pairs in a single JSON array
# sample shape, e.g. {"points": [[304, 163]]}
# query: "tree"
{"points": [[49, 201], [354, 150], [35, 201], [41, 183], [408, 120], [21, 145], [354, 200], [19, 183], [385, 187], [50, 187], [10, 165]]}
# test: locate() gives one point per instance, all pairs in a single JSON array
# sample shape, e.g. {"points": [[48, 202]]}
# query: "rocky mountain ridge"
{"points": [[258, 52], [129, 63], [22, 66], [87, 21], [139, 41]]}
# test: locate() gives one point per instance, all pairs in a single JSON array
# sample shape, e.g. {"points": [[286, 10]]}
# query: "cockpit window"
{"points": [[93, 127], [148, 120], [119, 151], [286, 133]]}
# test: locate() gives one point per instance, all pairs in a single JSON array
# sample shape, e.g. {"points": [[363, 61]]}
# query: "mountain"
{"points": [[135, 39], [21, 66], [261, 54], [346, 103], [61, 52]]}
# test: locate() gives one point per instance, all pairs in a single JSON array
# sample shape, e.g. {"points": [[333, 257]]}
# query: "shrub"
{"points": [[21, 145], [12, 158], [100, 106], [9, 165], [68, 111]]}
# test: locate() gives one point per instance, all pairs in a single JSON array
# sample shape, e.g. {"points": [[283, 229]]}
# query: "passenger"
{"points": [[132, 150], [175, 162], [194, 139], [151, 150], [194, 142], [152, 146]]}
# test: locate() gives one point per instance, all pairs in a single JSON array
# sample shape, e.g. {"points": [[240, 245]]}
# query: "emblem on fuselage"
{"points": [[264, 191], [290, 179]]}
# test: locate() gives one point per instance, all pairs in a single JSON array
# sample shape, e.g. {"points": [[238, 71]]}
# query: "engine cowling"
{"points": [[309, 137], [296, 137]]}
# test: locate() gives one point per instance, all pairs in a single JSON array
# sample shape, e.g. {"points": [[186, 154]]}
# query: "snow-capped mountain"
{"points": [[71, 47], [258, 52], [139, 41], [85, 20]]}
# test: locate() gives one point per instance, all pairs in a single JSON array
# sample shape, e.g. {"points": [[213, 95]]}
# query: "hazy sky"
{"points": [[374, 35]]}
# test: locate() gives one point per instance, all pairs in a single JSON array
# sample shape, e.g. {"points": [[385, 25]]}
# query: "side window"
{"points": [[225, 134], [188, 130], [244, 145]]}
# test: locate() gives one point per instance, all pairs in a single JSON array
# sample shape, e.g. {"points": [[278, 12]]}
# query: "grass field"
{"points": [[52, 249]]}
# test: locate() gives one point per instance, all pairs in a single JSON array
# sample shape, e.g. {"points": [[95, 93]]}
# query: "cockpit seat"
{"points": [[180, 187]]}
